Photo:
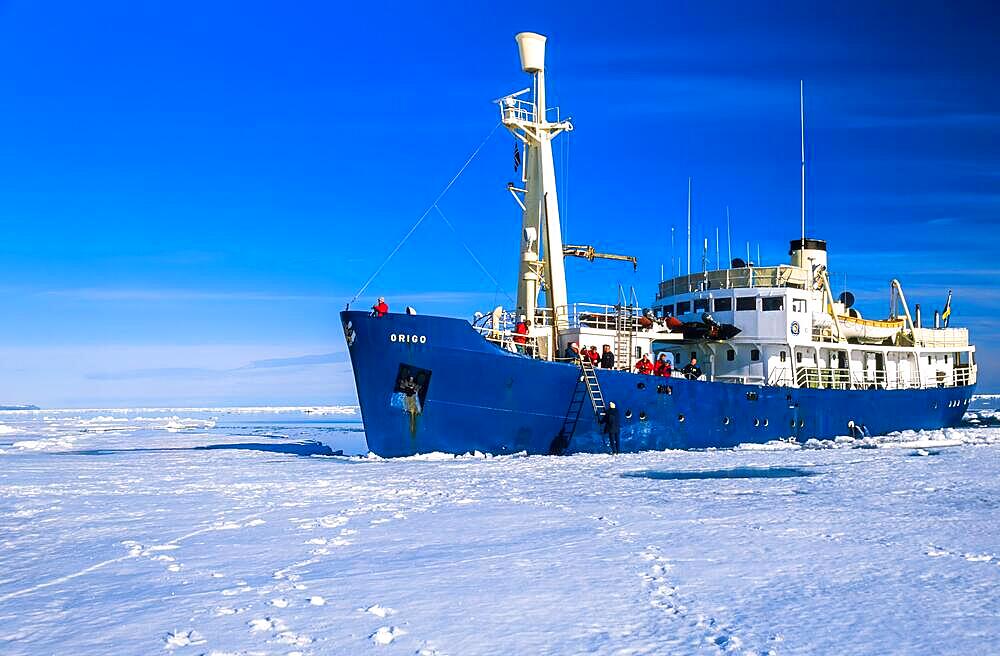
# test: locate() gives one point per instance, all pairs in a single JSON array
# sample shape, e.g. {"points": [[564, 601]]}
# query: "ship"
{"points": [[779, 357]]}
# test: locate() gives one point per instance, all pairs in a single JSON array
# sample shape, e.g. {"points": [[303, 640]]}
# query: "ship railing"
{"points": [[735, 378], [841, 378], [962, 375], [823, 378], [823, 334], [517, 110], [941, 337], [779, 377], [591, 315], [783, 275]]}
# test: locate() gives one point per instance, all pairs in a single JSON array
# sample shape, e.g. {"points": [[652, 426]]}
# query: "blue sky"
{"points": [[189, 192]]}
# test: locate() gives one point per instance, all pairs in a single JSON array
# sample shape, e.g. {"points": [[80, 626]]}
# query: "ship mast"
{"points": [[541, 251]]}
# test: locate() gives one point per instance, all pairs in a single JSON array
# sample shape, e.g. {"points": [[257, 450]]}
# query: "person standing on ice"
{"points": [[612, 426], [380, 309]]}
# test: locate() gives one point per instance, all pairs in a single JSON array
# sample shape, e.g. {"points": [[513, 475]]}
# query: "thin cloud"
{"points": [[196, 373], [139, 294]]}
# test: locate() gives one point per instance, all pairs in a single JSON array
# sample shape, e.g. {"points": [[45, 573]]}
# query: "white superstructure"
{"points": [[791, 330]]}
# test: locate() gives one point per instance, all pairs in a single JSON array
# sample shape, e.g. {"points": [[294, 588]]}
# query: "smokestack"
{"points": [[937, 319]]}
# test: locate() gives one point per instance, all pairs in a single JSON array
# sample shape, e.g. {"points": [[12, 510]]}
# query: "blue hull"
{"points": [[478, 397]]}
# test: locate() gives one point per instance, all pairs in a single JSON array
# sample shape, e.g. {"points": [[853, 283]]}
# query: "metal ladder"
{"points": [[591, 389], [624, 328]]}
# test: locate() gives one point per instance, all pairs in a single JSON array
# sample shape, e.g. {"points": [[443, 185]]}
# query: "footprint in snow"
{"points": [[280, 602], [386, 635], [177, 638], [378, 610], [266, 624]]}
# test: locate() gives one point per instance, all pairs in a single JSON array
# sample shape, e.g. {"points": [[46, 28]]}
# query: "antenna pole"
{"points": [[689, 228], [672, 250], [802, 142], [729, 238], [717, 267]]}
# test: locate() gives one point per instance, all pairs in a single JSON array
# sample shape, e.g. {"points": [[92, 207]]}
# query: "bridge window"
{"points": [[723, 304], [746, 303], [798, 305], [683, 307], [782, 356], [701, 305], [772, 303], [668, 309], [798, 358], [755, 354], [731, 355]]}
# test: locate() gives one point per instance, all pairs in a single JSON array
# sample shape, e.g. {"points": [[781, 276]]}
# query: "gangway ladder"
{"points": [[591, 388], [594, 390]]}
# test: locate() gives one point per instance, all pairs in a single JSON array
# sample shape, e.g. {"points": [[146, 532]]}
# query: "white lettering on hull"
{"points": [[408, 339]]}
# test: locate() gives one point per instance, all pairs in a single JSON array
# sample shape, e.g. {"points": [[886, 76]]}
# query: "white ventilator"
{"points": [[541, 251]]}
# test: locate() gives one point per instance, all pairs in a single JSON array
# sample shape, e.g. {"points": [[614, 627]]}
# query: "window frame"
{"points": [[725, 300], [769, 300]]}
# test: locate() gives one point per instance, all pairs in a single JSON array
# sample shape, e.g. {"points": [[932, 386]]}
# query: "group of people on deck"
{"points": [[663, 367], [604, 360]]}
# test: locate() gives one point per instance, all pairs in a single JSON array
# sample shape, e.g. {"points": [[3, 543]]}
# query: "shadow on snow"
{"points": [[735, 472], [295, 448]]}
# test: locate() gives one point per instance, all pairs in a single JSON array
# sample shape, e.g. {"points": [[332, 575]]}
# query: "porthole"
{"points": [[756, 422], [793, 423], [628, 414], [751, 396], [641, 385], [642, 415], [765, 423], [670, 390], [725, 421], [680, 418], [802, 423]]}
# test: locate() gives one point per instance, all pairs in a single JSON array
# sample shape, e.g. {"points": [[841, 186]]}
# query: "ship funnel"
{"points": [[531, 46]]}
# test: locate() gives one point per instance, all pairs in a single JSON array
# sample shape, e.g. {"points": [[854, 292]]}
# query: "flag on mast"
{"points": [[517, 157]]}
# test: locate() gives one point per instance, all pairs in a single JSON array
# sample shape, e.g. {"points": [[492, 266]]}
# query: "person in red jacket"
{"points": [[663, 366], [380, 309], [520, 332], [644, 366], [595, 357]]}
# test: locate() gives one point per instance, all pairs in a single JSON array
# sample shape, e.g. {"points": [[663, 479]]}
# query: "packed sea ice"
{"points": [[210, 531]]}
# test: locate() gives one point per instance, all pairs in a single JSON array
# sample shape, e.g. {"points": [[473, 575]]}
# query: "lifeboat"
{"points": [[869, 331]]}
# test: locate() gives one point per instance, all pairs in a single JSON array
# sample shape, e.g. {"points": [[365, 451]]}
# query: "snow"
{"points": [[122, 532]]}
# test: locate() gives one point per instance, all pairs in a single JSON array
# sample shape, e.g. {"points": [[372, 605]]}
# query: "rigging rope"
{"points": [[473, 255], [423, 216]]}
